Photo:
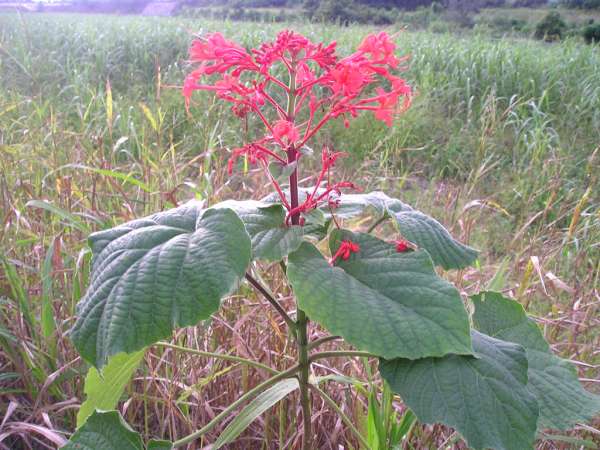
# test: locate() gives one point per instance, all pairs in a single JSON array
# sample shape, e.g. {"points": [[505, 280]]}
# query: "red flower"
{"points": [[328, 159], [348, 78], [381, 49], [285, 130], [344, 251], [287, 44], [191, 84], [323, 56], [223, 53], [388, 104], [325, 88], [290, 46], [402, 246], [304, 74]]}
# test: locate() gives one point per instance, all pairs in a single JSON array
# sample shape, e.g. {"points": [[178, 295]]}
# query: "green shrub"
{"points": [[439, 26], [349, 11], [591, 33], [551, 27], [335, 11], [581, 4], [418, 19]]}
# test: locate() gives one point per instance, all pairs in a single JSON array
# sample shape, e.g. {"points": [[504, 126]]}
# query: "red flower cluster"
{"points": [[318, 87], [344, 251]]}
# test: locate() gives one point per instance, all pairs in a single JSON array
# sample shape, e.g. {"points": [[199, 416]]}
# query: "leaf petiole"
{"points": [[338, 353], [378, 222], [271, 299], [317, 342], [225, 357]]}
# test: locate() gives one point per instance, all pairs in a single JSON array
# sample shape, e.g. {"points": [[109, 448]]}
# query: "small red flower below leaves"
{"points": [[344, 251], [402, 246]]}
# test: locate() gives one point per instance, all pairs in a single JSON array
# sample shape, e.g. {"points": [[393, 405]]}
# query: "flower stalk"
{"points": [[301, 319]]}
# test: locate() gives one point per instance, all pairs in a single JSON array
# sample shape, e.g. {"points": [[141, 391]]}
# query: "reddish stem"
{"points": [[317, 127], [276, 185], [270, 153], [280, 110]]}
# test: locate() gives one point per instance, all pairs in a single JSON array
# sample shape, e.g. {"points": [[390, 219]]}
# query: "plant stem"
{"points": [[342, 415], [377, 223], [232, 358], [314, 344], [248, 395], [264, 291], [304, 364], [301, 319], [336, 354]]}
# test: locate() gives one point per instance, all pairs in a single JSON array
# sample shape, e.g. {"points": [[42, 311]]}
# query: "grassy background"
{"points": [[501, 145]]}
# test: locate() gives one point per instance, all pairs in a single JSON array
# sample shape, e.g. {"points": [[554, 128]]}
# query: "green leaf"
{"points": [[104, 390], [414, 226], [315, 217], [391, 304], [282, 172], [563, 401], [159, 445], [352, 205], [429, 234], [69, 218], [419, 228], [153, 275], [105, 431], [484, 397], [47, 315], [272, 240], [402, 428], [124, 177], [579, 443], [499, 281], [254, 409], [375, 433]]}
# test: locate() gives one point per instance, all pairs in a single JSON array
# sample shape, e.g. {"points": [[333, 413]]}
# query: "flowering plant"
{"points": [[490, 375], [318, 87]]}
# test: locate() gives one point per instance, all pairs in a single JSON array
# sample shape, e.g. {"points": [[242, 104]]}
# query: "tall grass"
{"points": [[501, 145]]}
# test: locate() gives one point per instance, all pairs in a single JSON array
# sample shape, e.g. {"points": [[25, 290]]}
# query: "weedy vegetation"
{"points": [[501, 145]]}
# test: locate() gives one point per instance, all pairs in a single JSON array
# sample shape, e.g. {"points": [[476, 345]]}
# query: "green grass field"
{"points": [[501, 145]]}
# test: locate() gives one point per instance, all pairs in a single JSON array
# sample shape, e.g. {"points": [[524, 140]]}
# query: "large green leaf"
{"points": [[484, 397], [105, 431], [391, 304], [271, 238], [415, 226], [429, 234], [103, 390], [563, 401], [254, 409], [159, 445], [152, 275], [351, 205]]}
